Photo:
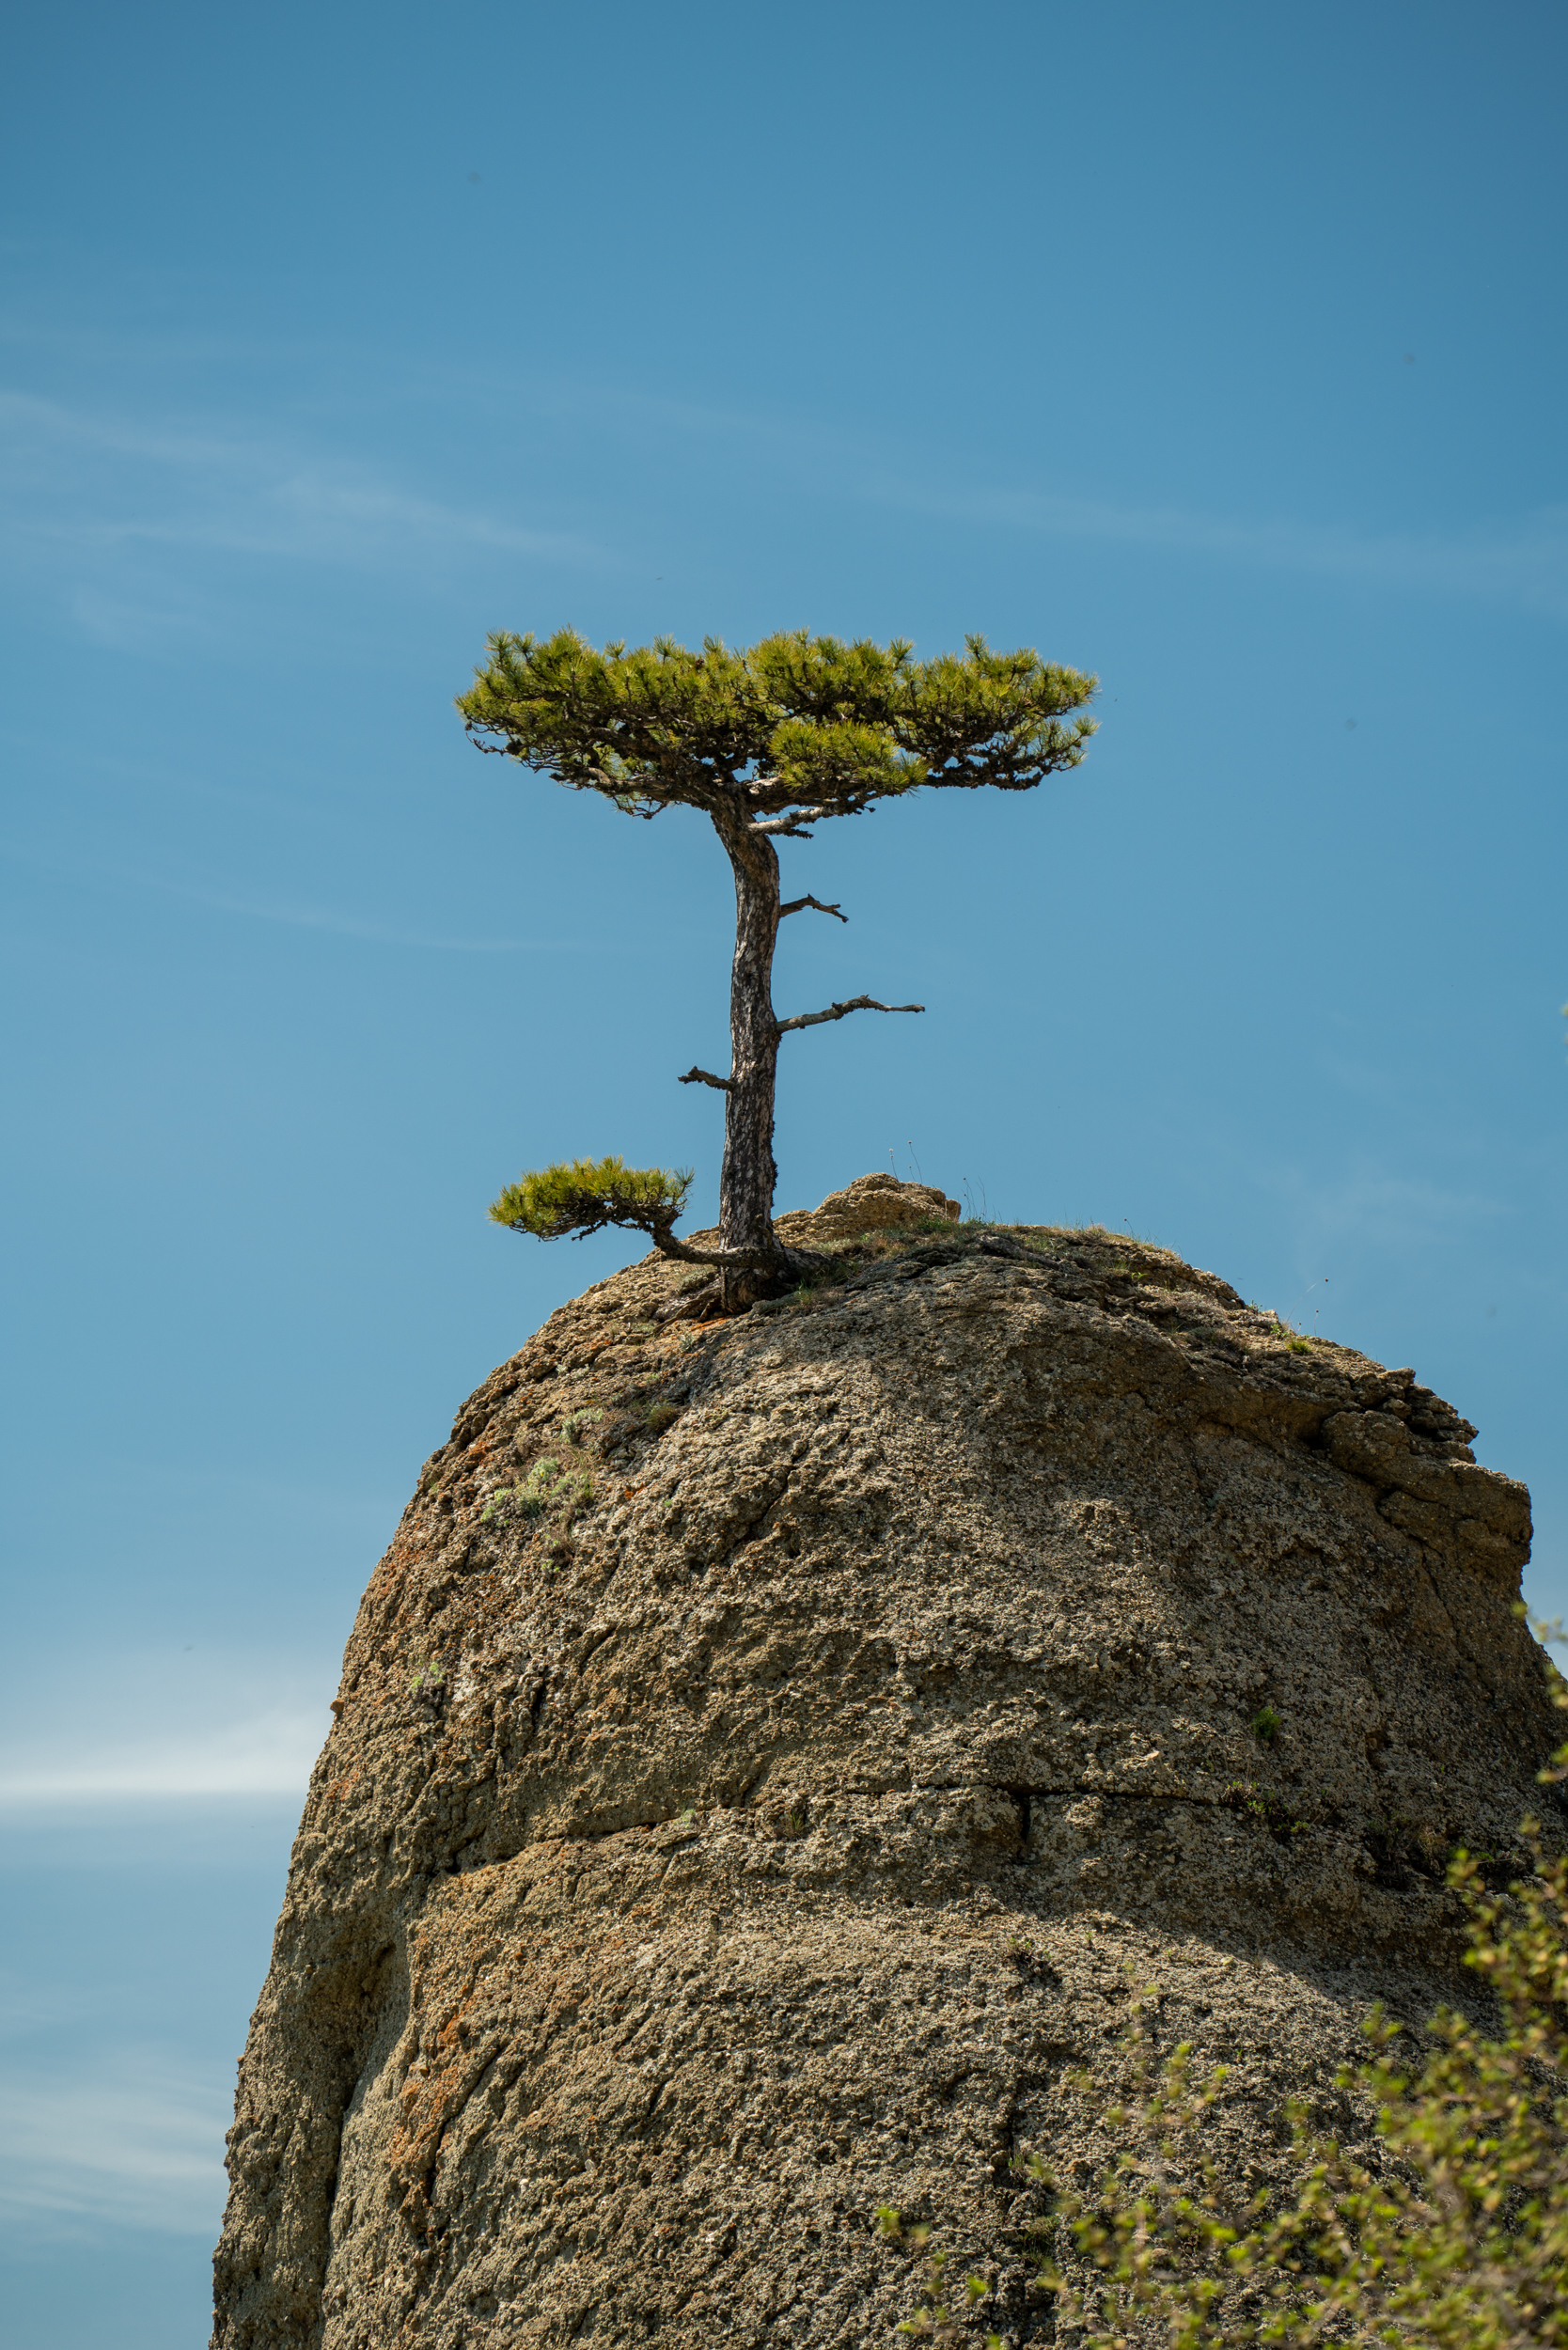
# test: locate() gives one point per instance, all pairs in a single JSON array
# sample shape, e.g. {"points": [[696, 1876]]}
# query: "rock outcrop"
{"points": [[766, 1748]]}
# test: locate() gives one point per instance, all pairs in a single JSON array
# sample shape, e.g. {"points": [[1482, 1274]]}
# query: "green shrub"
{"points": [[543, 1489], [931, 2321], [1459, 2241]]}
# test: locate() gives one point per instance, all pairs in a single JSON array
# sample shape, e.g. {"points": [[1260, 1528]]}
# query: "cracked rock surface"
{"points": [[770, 1751]]}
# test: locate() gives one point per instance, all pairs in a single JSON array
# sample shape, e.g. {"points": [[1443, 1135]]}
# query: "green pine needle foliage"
{"points": [[582, 1195], [799, 722]]}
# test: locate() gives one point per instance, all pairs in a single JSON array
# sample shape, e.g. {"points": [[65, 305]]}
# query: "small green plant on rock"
{"points": [[1263, 1805], [527, 1499], [1458, 2240], [933, 2321], [1265, 1726], [544, 1490]]}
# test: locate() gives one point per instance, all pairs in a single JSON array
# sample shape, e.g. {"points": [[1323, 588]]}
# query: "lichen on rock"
{"points": [[770, 1825]]}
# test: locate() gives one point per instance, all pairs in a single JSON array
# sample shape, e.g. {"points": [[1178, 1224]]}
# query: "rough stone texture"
{"points": [[870, 1203], [698, 1864]]}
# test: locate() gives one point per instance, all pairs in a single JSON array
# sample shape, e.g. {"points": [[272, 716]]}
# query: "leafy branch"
{"points": [[577, 1197], [1458, 2242]]}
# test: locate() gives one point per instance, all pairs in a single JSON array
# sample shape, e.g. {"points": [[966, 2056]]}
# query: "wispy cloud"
{"points": [[332, 920], [342, 925], [1523, 561], [1375, 1208], [138, 2139], [270, 1753], [88, 480], [85, 486], [155, 1728], [1520, 560]]}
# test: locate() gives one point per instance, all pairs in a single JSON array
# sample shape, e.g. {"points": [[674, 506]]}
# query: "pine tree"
{"points": [[767, 742]]}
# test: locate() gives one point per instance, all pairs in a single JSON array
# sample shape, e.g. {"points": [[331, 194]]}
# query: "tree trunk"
{"points": [[750, 1175]]}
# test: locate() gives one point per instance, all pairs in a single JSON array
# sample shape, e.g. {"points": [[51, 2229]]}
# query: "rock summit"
{"points": [[771, 1751]]}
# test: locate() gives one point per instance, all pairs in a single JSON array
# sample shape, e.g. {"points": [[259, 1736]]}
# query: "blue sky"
{"points": [[1221, 351]]}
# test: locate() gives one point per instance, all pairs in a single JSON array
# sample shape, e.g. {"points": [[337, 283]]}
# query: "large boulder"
{"points": [[872, 1204], [768, 1755]]}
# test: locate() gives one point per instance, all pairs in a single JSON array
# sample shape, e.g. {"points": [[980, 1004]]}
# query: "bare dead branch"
{"points": [[799, 905], [793, 826], [836, 1012], [695, 1076]]}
